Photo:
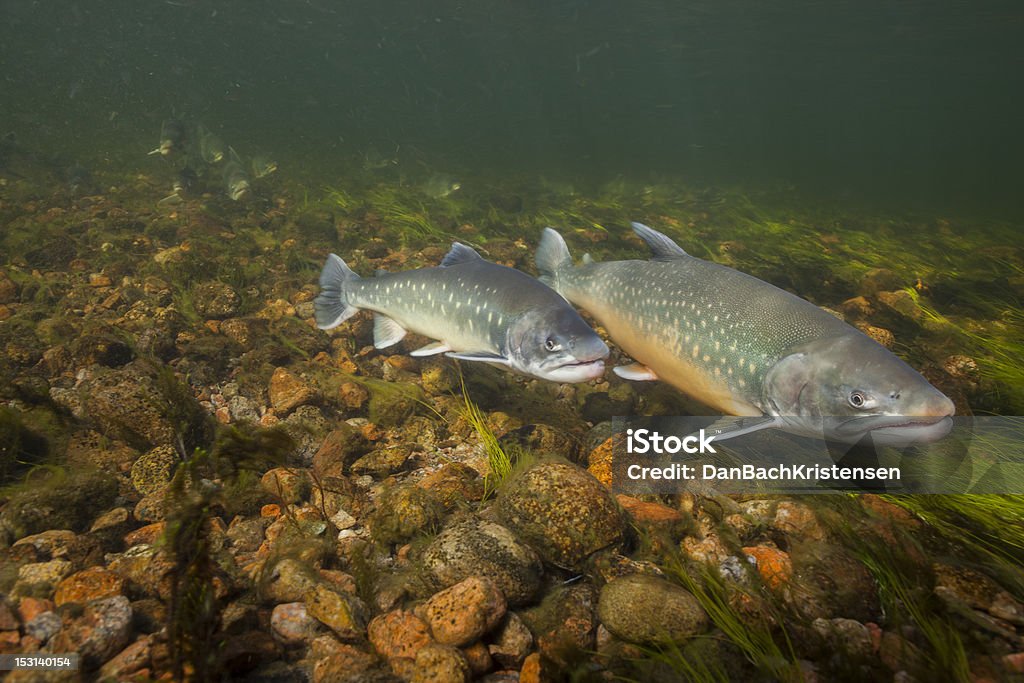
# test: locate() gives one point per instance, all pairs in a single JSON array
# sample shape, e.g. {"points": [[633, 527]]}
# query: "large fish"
{"points": [[477, 310], [746, 347]]}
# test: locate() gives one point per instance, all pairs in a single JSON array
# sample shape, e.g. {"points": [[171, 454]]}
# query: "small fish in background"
{"points": [[477, 310], [262, 165], [373, 160], [212, 149], [236, 180], [184, 184], [172, 138], [747, 348], [79, 180], [440, 186]]}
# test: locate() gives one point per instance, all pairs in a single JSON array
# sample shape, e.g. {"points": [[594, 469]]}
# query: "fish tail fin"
{"points": [[552, 257], [331, 305]]}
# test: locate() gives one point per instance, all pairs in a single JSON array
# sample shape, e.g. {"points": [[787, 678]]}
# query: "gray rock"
{"points": [[103, 630], [475, 547], [563, 512], [44, 626], [650, 610], [215, 300]]}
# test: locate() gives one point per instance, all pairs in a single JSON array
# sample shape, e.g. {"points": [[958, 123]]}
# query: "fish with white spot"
{"points": [[477, 310], [747, 348]]}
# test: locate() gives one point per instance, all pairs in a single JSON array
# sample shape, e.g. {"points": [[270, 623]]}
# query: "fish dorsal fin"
{"points": [[460, 253], [386, 332], [662, 246]]}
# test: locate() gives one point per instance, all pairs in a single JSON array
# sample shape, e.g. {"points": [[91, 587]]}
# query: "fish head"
{"points": [[850, 387], [555, 344], [239, 189]]}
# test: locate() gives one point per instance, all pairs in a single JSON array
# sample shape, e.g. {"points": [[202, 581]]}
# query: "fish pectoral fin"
{"points": [[636, 372], [480, 356], [155, 151], [731, 427], [386, 332], [431, 349]]}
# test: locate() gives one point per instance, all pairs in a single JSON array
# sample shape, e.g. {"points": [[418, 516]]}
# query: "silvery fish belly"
{"points": [[475, 309], [745, 347]]}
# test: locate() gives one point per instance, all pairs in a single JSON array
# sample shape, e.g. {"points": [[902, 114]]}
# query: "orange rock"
{"points": [[89, 584], [99, 280], [774, 565], [599, 462], [270, 510], [398, 634], [288, 391], [654, 514], [531, 671], [146, 534], [30, 608]]}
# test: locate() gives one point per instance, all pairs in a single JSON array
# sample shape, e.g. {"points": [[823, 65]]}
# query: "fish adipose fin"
{"points": [[431, 349], [662, 246], [635, 372], [386, 332], [460, 253], [552, 256], [731, 427], [480, 356], [331, 305]]}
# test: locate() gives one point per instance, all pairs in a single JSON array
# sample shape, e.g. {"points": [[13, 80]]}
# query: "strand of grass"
{"points": [[755, 640], [692, 669], [987, 525], [950, 657], [497, 459]]}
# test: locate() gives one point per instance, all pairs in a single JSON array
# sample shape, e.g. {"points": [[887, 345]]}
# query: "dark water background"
{"points": [[917, 104]]}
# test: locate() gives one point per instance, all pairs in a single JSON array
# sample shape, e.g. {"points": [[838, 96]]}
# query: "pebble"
{"points": [[292, 625], [43, 626], [774, 565], [649, 610], [288, 391], [436, 663], [39, 578], [340, 613], [798, 519], [471, 546], [462, 614], [89, 584], [563, 512], [512, 642], [103, 630], [398, 634], [288, 485]]}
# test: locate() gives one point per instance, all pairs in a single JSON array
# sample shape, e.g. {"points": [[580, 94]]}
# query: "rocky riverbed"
{"points": [[202, 485]]}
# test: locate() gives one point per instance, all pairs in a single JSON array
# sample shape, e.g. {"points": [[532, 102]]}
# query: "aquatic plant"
{"points": [[754, 637], [498, 460]]}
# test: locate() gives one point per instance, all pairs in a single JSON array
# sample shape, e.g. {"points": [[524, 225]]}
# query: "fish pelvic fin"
{"points": [[331, 305], [663, 247], [552, 257], [386, 332]]}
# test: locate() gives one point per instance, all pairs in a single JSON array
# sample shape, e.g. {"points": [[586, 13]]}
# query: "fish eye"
{"points": [[858, 399], [551, 345]]}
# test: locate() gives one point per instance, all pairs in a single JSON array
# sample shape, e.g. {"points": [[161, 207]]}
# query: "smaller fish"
{"points": [[235, 178], [440, 186], [477, 310], [211, 146], [172, 138], [184, 183], [262, 165], [373, 160]]}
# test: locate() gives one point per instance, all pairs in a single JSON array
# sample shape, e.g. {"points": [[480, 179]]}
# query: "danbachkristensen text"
{"points": [[709, 472]]}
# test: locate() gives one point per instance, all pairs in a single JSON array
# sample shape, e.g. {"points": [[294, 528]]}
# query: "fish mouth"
{"points": [[898, 430], [577, 371]]}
